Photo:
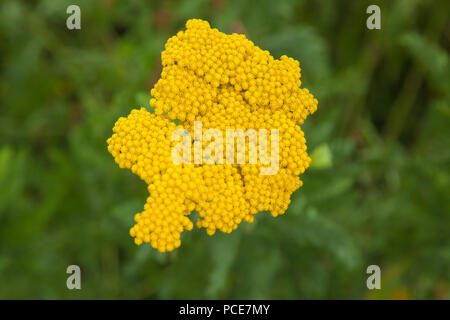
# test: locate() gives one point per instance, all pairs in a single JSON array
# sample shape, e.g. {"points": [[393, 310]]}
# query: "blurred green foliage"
{"points": [[377, 192]]}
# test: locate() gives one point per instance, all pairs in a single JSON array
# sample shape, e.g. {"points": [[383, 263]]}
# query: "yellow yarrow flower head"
{"points": [[226, 82]]}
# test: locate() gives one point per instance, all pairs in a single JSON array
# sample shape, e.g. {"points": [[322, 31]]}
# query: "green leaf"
{"points": [[321, 157]]}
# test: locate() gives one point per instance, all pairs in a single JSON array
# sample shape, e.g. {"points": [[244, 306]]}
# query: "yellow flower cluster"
{"points": [[226, 82]]}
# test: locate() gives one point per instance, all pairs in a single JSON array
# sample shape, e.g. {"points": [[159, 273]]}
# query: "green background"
{"points": [[377, 191]]}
